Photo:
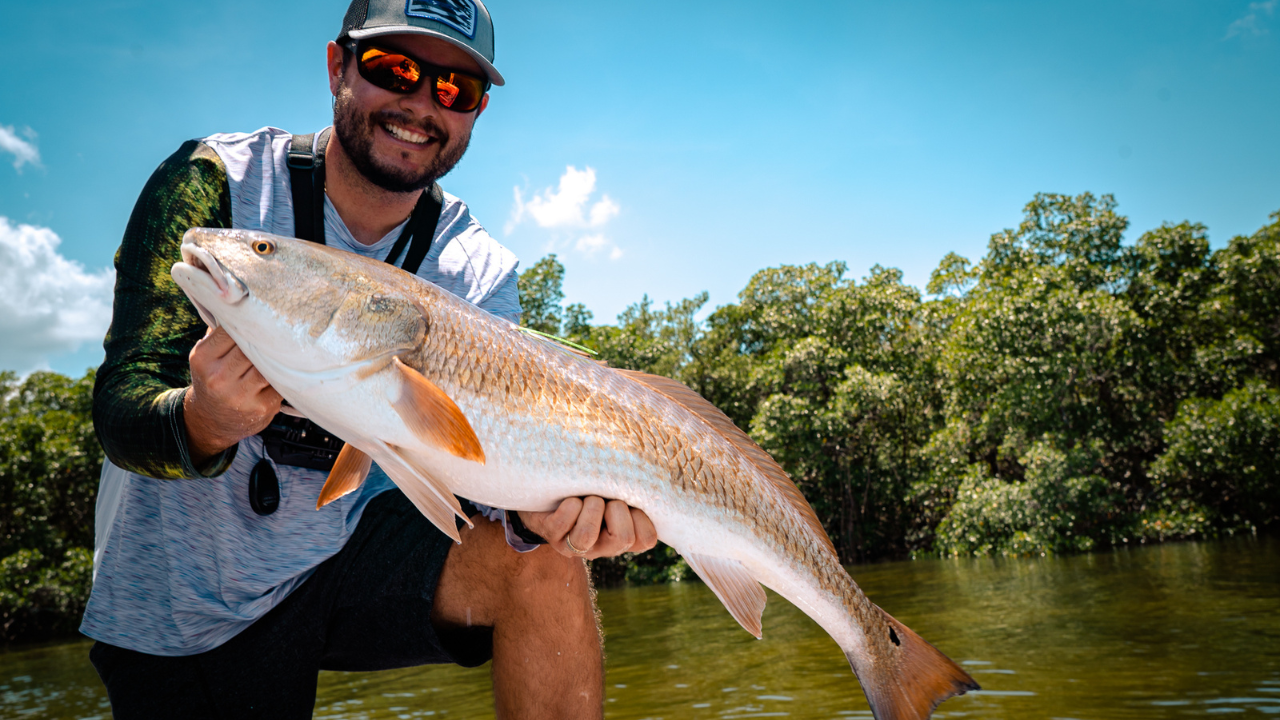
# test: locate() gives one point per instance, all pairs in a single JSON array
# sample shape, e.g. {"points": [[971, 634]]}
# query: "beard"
{"points": [[355, 131]]}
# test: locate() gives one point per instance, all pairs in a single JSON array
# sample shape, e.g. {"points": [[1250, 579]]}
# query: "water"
{"points": [[1172, 631]]}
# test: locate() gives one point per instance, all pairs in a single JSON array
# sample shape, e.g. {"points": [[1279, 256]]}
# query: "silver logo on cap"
{"points": [[457, 14]]}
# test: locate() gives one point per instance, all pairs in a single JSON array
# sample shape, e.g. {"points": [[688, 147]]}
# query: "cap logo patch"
{"points": [[457, 14]]}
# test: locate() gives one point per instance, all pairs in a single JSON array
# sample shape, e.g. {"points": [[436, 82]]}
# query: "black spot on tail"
{"points": [[894, 637]]}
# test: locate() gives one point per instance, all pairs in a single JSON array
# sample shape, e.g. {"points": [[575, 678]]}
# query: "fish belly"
{"points": [[532, 465]]}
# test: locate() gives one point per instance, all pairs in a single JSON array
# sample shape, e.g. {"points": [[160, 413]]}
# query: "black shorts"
{"points": [[366, 608]]}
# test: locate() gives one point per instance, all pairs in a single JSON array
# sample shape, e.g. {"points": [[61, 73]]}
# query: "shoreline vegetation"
{"points": [[1066, 393]]}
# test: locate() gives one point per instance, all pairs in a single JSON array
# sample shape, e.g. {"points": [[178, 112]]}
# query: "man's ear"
{"points": [[335, 57], [484, 103]]}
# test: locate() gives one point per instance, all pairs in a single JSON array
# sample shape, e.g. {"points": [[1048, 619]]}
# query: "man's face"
{"points": [[401, 143]]}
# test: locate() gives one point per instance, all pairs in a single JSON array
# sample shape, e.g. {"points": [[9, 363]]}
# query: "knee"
{"points": [[548, 574], [517, 579]]}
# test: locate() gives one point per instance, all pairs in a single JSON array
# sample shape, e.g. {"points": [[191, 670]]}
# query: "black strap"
{"points": [[306, 178], [306, 181], [421, 228]]}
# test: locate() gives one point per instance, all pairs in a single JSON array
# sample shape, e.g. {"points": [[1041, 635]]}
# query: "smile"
{"points": [[406, 135]]}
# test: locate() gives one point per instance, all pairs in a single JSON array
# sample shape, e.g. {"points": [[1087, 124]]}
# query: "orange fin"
{"points": [[349, 471], [910, 684], [434, 417], [700, 406], [427, 493], [730, 581]]}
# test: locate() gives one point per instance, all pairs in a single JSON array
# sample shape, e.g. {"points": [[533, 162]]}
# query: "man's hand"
{"points": [[593, 527], [228, 401]]}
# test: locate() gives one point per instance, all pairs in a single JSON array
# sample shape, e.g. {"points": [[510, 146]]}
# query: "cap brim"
{"points": [[495, 77]]}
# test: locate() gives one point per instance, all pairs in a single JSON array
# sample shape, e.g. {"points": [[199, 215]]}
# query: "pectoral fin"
{"points": [[427, 492], [349, 471], [434, 417], [730, 581]]}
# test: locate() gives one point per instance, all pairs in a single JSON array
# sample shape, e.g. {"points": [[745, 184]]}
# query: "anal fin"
{"points": [[427, 493], [349, 471], [737, 589]]}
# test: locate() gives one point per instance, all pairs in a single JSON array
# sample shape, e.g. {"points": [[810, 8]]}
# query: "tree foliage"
{"points": [[49, 465]]}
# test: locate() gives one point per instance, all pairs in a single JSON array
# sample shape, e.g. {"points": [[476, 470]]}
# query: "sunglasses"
{"points": [[399, 73]]}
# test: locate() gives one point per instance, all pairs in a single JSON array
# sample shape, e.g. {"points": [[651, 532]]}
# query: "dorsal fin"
{"points": [[698, 405]]}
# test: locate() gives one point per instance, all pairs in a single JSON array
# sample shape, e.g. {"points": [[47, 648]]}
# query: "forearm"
{"points": [[144, 431], [138, 408]]}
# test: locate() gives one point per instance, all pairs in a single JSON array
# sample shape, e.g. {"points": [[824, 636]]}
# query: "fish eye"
{"points": [[264, 247]]}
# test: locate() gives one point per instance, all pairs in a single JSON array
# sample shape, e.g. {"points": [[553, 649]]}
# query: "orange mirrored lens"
{"points": [[389, 70], [446, 92], [459, 92], [401, 73]]}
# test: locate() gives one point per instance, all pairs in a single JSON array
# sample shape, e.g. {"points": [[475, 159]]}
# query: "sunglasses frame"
{"points": [[357, 47]]}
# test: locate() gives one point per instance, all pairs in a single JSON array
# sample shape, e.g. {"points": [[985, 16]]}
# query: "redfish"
{"points": [[448, 399]]}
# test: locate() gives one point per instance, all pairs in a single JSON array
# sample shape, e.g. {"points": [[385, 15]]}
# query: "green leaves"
{"points": [[1222, 458], [541, 295], [49, 463], [49, 466], [40, 598], [1058, 507]]}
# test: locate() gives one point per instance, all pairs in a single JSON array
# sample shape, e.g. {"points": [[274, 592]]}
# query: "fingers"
{"points": [[592, 527], [215, 344], [251, 378], [225, 372], [619, 526], [586, 530], [216, 361], [646, 533], [609, 528], [228, 399], [554, 526], [271, 399], [626, 529]]}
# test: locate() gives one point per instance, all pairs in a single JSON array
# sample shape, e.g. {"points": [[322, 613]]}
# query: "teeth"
{"points": [[406, 135]]}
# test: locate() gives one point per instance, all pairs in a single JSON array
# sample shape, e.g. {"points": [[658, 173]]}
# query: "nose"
{"points": [[421, 102]]}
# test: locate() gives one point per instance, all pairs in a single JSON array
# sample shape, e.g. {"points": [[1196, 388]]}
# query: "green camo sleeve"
{"points": [[137, 398]]}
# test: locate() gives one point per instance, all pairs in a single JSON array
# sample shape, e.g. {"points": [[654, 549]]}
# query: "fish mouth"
{"points": [[230, 289]]}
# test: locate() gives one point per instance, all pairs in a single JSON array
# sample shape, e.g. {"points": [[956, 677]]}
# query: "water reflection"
{"points": [[1173, 631]]}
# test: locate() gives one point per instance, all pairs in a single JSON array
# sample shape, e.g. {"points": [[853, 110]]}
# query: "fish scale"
{"points": [[450, 400]]}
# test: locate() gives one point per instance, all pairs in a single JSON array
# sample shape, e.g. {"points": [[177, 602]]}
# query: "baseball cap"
{"points": [[463, 23]]}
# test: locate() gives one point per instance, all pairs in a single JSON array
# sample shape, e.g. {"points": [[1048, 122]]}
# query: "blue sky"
{"points": [[708, 139]]}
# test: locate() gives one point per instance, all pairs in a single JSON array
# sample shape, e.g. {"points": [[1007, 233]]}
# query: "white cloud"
{"points": [[592, 245], [48, 304], [602, 211], [570, 207], [1249, 24], [24, 151]]}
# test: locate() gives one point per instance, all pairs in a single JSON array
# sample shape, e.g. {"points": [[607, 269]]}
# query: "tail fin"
{"points": [[911, 683]]}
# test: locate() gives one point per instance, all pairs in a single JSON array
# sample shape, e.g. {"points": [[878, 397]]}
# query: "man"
{"points": [[220, 591]]}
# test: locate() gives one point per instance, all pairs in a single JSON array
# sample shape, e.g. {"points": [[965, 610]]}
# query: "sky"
{"points": [[663, 150]]}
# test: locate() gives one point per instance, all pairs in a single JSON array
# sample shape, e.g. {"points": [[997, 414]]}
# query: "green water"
{"points": [[1173, 631]]}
